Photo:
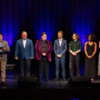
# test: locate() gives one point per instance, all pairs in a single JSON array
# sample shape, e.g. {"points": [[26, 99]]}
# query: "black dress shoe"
{"points": [[56, 79], [3, 84], [63, 79], [47, 80], [40, 80]]}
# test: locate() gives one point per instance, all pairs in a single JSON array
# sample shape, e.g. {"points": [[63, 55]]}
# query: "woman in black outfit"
{"points": [[90, 49]]}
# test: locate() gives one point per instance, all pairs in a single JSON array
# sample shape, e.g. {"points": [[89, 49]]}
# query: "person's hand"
{"points": [[32, 57], [89, 57], [3, 48], [44, 54], [16, 58], [74, 53], [59, 56]]}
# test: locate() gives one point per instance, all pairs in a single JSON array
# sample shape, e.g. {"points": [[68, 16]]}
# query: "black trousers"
{"points": [[25, 65], [43, 65], [77, 63]]}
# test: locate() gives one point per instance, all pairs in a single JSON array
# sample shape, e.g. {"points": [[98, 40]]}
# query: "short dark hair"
{"points": [[93, 37], [1, 34], [44, 33], [77, 36], [60, 32]]}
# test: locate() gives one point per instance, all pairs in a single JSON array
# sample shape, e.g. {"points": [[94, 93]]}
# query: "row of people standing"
{"points": [[90, 49], [24, 51]]}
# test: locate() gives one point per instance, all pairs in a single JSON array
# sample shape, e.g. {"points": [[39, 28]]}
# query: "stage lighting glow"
{"points": [[44, 25]]}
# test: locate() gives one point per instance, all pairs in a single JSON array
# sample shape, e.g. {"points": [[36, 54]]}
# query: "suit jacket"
{"points": [[38, 49], [60, 49], [4, 52], [22, 52]]}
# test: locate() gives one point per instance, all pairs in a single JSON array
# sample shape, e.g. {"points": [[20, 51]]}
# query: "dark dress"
{"points": [[90, 64]]}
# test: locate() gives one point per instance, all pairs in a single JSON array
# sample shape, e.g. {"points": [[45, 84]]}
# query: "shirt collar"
{"points": [[44, 41], [75, 41], [24, 40], [61, 40]]}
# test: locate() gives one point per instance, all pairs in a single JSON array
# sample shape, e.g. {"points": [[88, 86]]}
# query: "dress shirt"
{"points": [[24, 43], [60, 41]]}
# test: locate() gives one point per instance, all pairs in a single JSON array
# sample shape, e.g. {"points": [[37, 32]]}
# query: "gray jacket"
{"points": [[4, 53]]}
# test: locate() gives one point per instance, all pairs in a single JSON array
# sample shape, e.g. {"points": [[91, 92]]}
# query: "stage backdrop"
{"points": [[37, 16]]}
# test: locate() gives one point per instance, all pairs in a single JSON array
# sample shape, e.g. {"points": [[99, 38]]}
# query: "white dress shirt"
{"points": [[60, 42], [24, 43]]}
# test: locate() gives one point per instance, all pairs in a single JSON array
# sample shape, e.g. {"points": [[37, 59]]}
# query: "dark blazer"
{"points": [[60, 49], [38, 49], [26, 52]]}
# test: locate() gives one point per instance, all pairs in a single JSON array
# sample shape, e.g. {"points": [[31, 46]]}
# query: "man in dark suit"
{"points": [[4, 48], [60, 48], [24, 52]]}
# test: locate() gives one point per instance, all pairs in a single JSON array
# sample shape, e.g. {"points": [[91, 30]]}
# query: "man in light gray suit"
{"points": [[4, 48]]}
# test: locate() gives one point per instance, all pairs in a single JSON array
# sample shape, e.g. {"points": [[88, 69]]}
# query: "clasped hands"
{"points": [[43, 54], [74, 53], [89, 56], [59, 55]]}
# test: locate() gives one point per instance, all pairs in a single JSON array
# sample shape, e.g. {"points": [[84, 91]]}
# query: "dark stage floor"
{"points": [[12, 83], [55, 90], [52, 84]]}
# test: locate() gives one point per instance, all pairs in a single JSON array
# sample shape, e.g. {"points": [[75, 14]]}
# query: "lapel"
{"points": [[26, 42], [2, 43], [22, 42], [41, 44], [58, 43], [61, 43], [47, 45]]}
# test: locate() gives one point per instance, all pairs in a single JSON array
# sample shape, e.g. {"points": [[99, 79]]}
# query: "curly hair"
{"points": [[93, 37]]}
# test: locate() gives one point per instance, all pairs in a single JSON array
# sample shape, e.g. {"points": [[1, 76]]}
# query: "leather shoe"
{"points": [[56, 79], [3, 84], [64, 79]]}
